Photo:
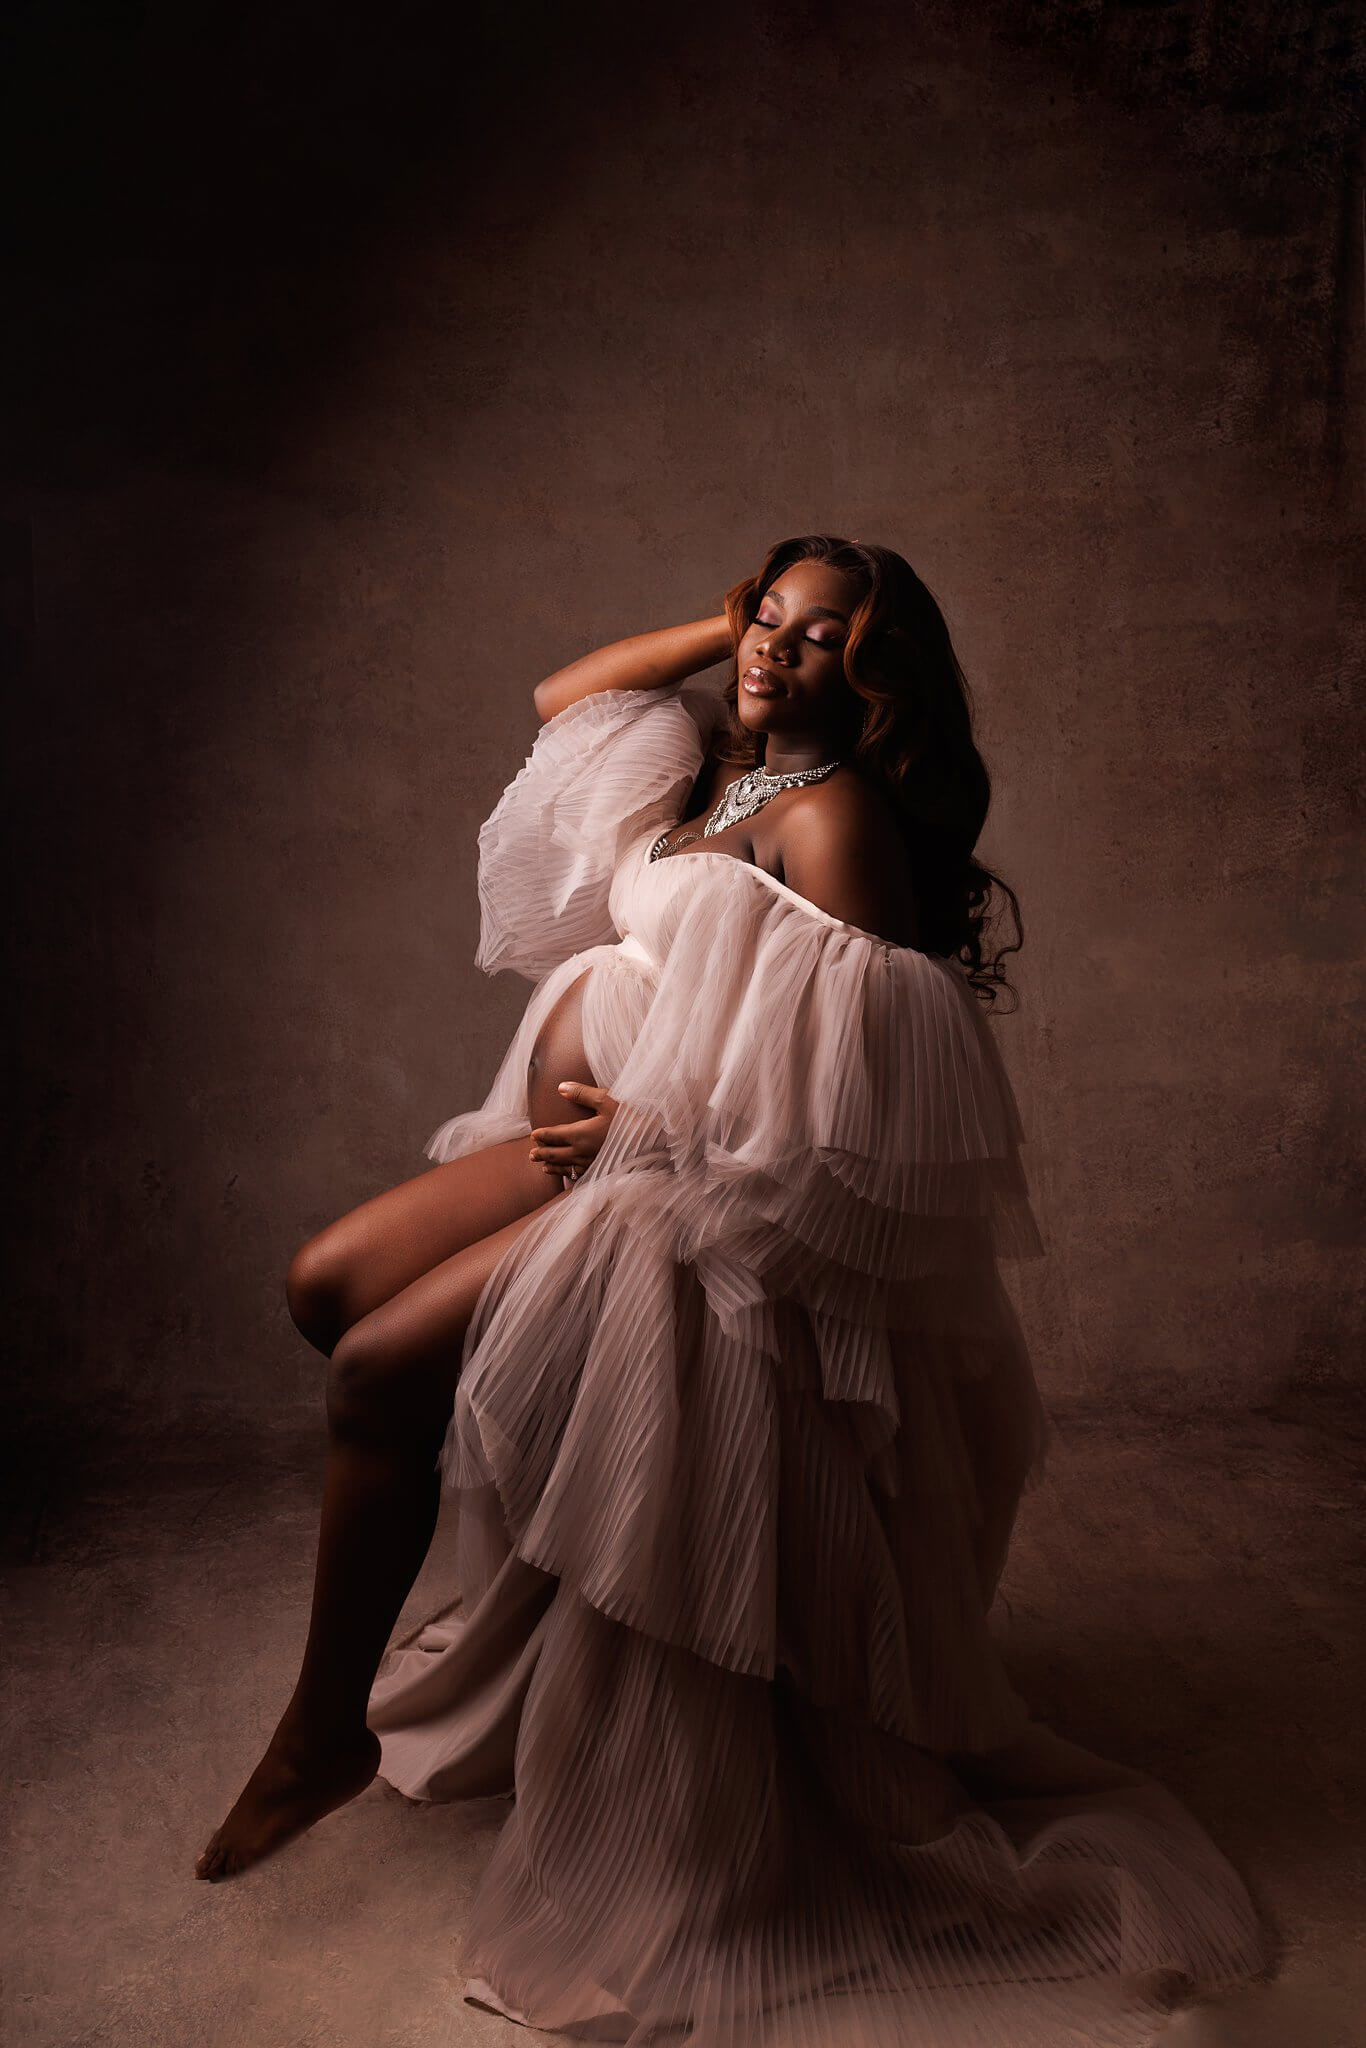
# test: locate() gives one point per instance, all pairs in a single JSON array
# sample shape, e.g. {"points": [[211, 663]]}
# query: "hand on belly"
{"points": [[567, 1129]]}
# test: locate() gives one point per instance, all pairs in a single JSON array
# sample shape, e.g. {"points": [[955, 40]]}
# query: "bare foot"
{"points": [[290, 1788]]}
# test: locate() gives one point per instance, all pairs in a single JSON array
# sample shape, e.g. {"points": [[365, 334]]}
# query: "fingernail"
{"points": [[564, 1087]]}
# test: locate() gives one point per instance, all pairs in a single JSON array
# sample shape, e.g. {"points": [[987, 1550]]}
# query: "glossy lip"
{"points": [[766, 678]]}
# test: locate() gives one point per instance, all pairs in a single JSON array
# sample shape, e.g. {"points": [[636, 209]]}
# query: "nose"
{"points": [[771, 645]]}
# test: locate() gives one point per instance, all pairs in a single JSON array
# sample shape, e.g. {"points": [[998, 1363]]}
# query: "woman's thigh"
{"points": [[387, 1243], [397, 1366]]}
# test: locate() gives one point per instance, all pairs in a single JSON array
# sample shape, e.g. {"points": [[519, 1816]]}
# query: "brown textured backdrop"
{"points": [[362, 376]]}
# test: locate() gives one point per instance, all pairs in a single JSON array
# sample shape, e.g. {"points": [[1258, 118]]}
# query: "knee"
{"points": [[379, 1392], [315, 1287], [357, 1375]]}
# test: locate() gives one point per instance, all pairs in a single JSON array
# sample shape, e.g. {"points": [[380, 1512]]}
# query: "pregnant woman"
{"points": [[699, 1316]]}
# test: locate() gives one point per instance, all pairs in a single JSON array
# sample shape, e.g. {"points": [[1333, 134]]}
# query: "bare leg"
{"points": [[376, 1250], [390, 1392]]}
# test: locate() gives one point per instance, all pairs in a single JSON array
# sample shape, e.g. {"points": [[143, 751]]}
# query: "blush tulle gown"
{"points": [[739, 1435]]}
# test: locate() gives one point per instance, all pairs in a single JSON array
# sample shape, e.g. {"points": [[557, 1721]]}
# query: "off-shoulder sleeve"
{"points": [[836, 1104], [599, 774]]}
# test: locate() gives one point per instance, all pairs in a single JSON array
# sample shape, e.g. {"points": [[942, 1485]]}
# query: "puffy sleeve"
{"points": [[835, 1106], [600, 773]]}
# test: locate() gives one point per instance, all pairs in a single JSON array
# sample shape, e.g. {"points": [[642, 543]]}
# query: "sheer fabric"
{"points": [[738, 1439]]}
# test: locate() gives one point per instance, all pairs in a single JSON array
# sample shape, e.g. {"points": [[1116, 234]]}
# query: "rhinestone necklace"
{"points": [[741, 800]]}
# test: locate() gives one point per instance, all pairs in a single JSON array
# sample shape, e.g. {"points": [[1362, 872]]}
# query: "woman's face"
{"points": [[790, 663]]}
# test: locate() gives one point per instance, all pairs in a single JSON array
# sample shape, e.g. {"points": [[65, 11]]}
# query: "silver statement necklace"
{"points": [[742, 799]]}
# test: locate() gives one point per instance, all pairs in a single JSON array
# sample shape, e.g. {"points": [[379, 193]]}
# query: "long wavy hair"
{"points": [[909, 725]]}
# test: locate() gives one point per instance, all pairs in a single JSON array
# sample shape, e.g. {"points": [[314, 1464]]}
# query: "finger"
{"points": [[566, 1157], [581, 1091], [563, 1134]]}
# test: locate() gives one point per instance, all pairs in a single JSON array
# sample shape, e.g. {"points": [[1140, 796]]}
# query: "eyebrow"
{"points": [[817, 611]]}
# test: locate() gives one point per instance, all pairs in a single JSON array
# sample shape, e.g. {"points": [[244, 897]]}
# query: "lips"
{"points": [[760, 682]]}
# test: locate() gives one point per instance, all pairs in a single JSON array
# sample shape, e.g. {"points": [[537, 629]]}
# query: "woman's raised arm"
{"points": [[645, 661]]}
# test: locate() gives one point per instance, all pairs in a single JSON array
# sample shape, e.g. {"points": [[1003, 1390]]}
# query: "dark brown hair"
{"points": [[910, 726]]}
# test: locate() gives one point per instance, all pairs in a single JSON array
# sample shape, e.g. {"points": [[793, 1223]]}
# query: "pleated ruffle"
{"points": [[844, 1093], [688, 1468], [698, 1856], [600, 773]]}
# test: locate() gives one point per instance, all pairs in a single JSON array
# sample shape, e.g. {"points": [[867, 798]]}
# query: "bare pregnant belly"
{"points": [[558, 1055]]}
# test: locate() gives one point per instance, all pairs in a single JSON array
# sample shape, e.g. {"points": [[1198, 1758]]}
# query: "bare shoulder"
{"points": [[843, 849]]}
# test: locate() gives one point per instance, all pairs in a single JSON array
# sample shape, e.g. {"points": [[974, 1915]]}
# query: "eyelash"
{"points": [[775, 622]]}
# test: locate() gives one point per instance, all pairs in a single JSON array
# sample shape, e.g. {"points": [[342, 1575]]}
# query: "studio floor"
{"points": [[1183, 1596]]}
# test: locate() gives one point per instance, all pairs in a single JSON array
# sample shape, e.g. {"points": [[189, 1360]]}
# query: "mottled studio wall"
{"points": [[362, 383]]}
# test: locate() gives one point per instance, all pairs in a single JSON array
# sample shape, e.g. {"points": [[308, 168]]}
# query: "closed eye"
{"points": [[760, 620]]}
